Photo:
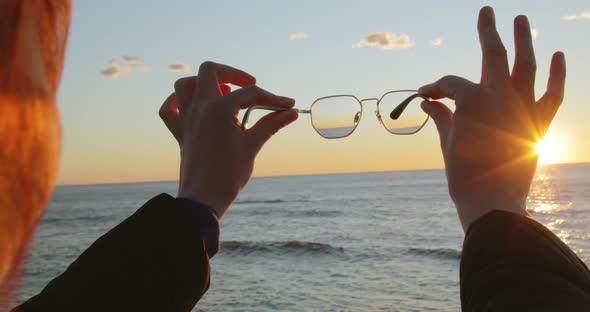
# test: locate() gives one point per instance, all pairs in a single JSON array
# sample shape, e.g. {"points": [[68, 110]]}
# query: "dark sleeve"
{"points": [[155, 260], [513, 263]]}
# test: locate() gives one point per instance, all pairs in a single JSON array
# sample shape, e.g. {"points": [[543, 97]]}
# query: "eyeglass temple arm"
{"points": [[271, 108], [396, 112]]}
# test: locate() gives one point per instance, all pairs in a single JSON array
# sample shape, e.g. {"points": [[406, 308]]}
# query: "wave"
{"points": [[270, 201], [260, 201], [441, 253], [289, 213], [280, 248], [49, 220], [313, 213]]}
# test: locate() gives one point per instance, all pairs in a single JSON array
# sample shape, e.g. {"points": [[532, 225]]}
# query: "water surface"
{"points": [[352, 242]]}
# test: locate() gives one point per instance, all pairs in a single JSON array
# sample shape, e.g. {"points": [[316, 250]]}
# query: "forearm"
{"points": [[512, 262], [156, 260]]}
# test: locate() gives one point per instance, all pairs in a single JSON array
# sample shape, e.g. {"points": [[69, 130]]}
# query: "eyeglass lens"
{"points": [[409, 119], [336, 117]]}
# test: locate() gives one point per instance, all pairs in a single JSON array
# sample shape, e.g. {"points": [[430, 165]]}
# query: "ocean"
{"points": [[386, 241]]}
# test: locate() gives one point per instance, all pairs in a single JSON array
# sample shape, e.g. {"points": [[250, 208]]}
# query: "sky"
{"points": [[124, 56]]}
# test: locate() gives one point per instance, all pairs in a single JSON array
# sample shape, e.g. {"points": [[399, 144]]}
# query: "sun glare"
{"points": [[550, 150]]}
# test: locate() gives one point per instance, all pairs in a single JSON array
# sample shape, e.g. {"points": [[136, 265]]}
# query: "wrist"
{"points": [[218, 204], [472, 208]]}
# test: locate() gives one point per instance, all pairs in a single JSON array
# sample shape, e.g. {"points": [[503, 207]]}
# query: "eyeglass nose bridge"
{"points": [[358, 115], [377, 114], [369, 99]]}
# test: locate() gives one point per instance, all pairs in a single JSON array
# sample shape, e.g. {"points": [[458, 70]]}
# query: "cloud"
{"points": [[178, 67], [111, 72], [133, 63], [437, 42], [128, 58], [581, 16], [129, 63], [569, 17], [298, 36], [534, 33], [385, 40]]}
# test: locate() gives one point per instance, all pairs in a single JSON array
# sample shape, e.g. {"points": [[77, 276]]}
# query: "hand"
{"points": [[488, 142], [217, 156]]}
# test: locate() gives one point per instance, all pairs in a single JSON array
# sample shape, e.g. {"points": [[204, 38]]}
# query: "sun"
{"points": [[550, 150]]}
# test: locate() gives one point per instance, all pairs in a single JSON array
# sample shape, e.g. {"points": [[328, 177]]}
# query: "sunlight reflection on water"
{"points": [[545, 196], [548, 200], [563, 235]]}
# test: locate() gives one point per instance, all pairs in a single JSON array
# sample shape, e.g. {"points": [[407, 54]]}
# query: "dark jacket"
{"points": [[513, 263], [157, 260]]}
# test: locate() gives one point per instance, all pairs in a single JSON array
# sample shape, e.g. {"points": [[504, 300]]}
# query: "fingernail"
{"points": [[425, 105], [560, 56], [288, 99], [488, 11], [521, 20], [290, 115]]}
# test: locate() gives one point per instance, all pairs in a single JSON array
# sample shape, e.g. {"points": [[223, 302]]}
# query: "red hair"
{"points": [[33, 36]]}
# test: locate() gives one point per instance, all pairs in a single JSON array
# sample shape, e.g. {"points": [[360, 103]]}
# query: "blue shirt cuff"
{"points": [[207, 223]]}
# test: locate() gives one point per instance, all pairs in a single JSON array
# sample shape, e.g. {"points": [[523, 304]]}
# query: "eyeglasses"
{"points": [[337, 116]]}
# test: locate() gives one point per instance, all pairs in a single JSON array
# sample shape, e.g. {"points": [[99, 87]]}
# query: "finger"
{"points": [[525, 66], [254, 95], [494, 60], [225, 89], [212, 75], [442, 117], [553, 97], [447, 87], [184, 88], [270, 124], [170, 116]]}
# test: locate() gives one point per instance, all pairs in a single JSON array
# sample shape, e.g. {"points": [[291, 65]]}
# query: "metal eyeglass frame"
{"points": [[395, 113]]}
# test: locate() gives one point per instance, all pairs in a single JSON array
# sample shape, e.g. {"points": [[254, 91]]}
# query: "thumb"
{"points": [[442, 117], [171, 117], [270, 124]]}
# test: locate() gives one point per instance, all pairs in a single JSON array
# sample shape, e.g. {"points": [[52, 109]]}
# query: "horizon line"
{"points": [[292, 175]]}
